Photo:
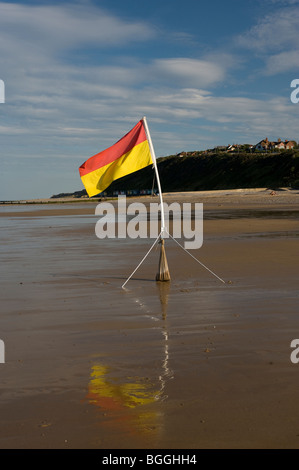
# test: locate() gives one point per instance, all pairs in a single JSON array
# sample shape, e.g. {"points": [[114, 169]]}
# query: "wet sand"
{"points": [[190, 364]]}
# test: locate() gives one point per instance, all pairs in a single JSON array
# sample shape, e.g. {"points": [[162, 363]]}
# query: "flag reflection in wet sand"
{"points": [[131, 404], [126, 404]]}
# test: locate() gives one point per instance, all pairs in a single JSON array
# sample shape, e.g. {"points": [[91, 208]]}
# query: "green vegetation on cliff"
{"points": [[203, 171], [198, 171]]}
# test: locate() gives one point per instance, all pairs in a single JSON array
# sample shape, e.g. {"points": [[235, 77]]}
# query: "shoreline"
{"points": [[185, 194], [238, 200]]}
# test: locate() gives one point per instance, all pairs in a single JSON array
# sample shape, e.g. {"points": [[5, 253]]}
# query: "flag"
{"points": [[129, 154]]}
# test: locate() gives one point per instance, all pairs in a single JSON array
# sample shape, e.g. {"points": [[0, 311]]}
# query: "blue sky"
{"points": [[79, 75]]}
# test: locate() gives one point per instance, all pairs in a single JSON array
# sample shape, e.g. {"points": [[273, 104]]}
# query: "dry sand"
{"points": [[190, 364]]}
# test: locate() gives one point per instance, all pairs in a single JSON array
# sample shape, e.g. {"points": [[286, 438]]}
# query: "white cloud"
{"points": [[283, 2], [274, 39], [282, 62], [68, 26], [190, 72], [273, 33]]}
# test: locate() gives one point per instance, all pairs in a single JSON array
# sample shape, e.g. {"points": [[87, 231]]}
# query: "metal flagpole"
{"points": [[163, 273], [157, 173]]}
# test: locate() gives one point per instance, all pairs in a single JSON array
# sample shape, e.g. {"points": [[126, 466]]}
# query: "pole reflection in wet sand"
{"points": [[132, 402]]}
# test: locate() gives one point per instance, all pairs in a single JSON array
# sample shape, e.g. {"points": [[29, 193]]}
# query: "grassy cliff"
{"points": [[198, 171], [203, 171]]}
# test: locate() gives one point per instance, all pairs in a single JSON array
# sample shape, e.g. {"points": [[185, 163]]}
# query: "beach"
{"points": [[194, 363]]}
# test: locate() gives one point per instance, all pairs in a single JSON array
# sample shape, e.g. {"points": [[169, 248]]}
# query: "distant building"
{"points": [[266, 144], [219, 148], [263, 145], [290, 144]]}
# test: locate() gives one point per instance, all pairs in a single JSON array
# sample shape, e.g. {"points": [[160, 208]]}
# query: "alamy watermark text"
{"points": [[2, 92], [295, 93], [136, 220], [2, 352]]}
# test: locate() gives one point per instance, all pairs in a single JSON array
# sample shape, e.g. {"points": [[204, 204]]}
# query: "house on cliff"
{"points": [[266, 144]]}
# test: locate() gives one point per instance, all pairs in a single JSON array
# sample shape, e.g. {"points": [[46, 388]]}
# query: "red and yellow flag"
{"points": [[129, 154]]}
